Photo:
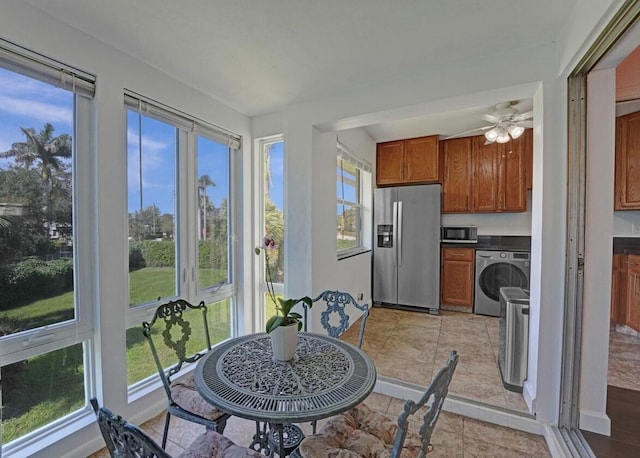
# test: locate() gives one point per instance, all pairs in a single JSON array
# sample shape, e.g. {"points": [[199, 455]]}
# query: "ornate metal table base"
{"points": [[268, 441]]}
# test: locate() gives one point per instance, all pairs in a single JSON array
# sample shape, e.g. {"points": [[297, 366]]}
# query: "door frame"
{"points": [[569, 408]]}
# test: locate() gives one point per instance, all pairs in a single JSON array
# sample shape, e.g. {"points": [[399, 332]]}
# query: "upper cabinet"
{"points": [[481, 178], [411, 161], [456, 183], [627, 175]]}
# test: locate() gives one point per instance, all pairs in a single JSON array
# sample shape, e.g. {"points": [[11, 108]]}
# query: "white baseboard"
{"points": [[596, 422], [529, 396]]}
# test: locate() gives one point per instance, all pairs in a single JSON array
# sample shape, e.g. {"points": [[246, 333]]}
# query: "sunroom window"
{"points": [[45, 315], [179, 201], [353, 212]]}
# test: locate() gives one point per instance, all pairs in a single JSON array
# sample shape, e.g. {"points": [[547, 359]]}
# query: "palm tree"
{"points": [[45, 149], [203, 182]]}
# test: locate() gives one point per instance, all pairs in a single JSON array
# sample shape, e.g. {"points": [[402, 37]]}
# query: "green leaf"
{"points": [[274, 322], [295, 315]]}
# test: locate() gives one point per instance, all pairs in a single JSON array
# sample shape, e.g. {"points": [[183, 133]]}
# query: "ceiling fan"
{"points": [[507, 122]]}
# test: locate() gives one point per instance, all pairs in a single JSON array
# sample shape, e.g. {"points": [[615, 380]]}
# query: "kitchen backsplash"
{"points": [[493, 223]]}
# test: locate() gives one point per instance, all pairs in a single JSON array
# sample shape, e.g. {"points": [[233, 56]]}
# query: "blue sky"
{"points": [[29, 103], [25, 102]]}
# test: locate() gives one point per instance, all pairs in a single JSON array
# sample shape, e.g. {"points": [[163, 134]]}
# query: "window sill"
{"points": [[351, 254]]}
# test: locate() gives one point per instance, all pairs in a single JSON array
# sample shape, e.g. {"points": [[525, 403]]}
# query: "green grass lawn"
{"points": [[50, 386]]}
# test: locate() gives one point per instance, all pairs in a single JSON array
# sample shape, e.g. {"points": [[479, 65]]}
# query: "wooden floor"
{"points": [[623, 408]]}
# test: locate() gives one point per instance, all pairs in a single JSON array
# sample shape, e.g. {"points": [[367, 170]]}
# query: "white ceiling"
{"points": [[259, 56]]}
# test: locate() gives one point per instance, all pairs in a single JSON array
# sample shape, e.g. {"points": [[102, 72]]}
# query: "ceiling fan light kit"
{"points": [[507, 122]]}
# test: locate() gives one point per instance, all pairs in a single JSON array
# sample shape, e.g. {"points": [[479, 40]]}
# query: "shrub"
{"points": [[157, 253], [136, 259], [34, 278]]}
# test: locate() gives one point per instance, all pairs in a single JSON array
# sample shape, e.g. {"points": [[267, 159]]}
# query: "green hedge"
{"points": [[33, 279], [161, 253]]}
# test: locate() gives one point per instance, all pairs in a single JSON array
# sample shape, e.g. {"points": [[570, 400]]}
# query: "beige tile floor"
{"points": [[624, 360], [454, 435], [412, 346]]}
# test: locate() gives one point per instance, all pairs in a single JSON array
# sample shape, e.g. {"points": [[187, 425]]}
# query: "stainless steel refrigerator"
{"points": [[406, 252]]}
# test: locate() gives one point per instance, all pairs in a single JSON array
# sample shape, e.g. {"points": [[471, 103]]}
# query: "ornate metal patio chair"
{"points": [[184, 401], [361, 431], [125, 440], [335, 304]]}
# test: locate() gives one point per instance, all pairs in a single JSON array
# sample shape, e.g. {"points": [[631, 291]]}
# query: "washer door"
{"points": [[500, 274]]}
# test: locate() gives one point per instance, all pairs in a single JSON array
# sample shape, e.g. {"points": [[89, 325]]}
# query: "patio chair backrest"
{"points": [[124, 439], [436, 393], [168, 318], [336, 301]]}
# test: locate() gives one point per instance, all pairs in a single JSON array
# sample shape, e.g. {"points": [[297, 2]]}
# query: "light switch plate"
{"points": [[635, 228]]}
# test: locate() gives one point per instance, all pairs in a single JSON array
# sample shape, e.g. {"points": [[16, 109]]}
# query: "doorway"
{"points": [[592, 346]]}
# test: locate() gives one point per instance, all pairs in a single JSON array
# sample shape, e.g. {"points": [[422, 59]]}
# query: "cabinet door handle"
{"points": [[456, 254]]}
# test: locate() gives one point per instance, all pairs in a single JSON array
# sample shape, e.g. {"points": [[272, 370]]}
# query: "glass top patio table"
{"points": [[327, 376]]}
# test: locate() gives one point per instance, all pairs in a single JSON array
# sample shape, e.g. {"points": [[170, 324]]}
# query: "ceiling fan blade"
{"points": [[491, 118], [526, 124], [468, 132], [523, 116]]}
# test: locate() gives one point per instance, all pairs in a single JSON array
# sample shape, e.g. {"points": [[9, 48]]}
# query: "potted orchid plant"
{"points": [[285, 324]]}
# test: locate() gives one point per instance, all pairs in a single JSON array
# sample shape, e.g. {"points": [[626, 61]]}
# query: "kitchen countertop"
{"points": [[626, 245], [498, 243]]}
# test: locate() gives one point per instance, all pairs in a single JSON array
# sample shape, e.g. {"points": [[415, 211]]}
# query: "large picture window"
{"points": [[45, 319], [179, 201]]}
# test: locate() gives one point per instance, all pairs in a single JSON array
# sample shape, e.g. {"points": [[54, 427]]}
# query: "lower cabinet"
{"points": [[633, 292], [457, 277], [619, 289], [625, 290]]}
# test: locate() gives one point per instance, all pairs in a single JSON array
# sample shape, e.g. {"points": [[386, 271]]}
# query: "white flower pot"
{"points": [[284, 340]]}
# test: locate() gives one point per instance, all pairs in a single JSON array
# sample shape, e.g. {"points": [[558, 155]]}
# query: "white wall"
{"points": [[115, 71], [623, 222], [494, 223], [598, 250], [353, 274]]}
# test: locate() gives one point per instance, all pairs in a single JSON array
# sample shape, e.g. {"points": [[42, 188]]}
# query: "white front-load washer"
{"points": [[495, 269]]}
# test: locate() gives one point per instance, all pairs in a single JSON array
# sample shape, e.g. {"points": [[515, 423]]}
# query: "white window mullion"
{"points": [[187, 217]]}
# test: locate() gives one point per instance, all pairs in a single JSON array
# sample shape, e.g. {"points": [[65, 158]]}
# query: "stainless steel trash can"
{"points": [[514, 337]]}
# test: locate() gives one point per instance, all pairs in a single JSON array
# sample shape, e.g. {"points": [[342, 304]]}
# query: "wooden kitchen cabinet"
{"points": [[627, 162], [485, 175], [456, 182], [457, 277], [389, 162], [512, 191], [499, 182], [526, 143], [618, 289], [633, 292], [410, 161]]}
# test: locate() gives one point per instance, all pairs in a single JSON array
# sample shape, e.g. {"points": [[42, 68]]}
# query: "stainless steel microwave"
{"points": [[459, 234]]}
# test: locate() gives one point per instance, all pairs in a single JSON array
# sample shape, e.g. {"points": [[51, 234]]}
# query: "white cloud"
{"points": [[14, 83], [40, 111]]}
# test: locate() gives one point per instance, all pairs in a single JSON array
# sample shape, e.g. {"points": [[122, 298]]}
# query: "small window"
{"points": [[353, 187]]}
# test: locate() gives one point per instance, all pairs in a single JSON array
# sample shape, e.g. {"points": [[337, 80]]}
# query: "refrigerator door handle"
{"points": [[399, 231], [395, 233]]}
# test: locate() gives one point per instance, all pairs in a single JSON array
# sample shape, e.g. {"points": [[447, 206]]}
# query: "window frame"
{"points": [[79, 330], [261, 289], [188, 130], [362, 169]]}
